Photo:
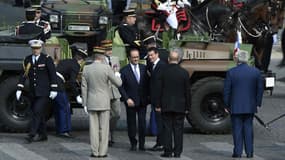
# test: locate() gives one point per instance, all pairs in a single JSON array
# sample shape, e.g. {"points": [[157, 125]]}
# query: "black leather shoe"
{"points": [[103, 156], [236, 156], [92, 155], [141, 149], [249, 156], [29, 139], [166, 155], [41, 138], [176, 155], [157, 148], [65, 135], [133, 148]]}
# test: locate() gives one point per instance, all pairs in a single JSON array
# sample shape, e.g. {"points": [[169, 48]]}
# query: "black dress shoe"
{"points": [[249, 156], [236, 156], [141, 148], [65, 135], [157, 148], [166, 155], [103, 156], [133, 148], [41, 138], [92, 155], [176, 155], [29, 139]]}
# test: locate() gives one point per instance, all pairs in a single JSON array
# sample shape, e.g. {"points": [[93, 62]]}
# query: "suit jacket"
{"points": [[95, 86], [68, 70], [41, 75], [243, 89], [174, 90], [154, 76], [130, 88], [114, 91]]}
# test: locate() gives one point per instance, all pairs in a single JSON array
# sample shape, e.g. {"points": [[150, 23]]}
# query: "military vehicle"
{"points": [[78, 20]]}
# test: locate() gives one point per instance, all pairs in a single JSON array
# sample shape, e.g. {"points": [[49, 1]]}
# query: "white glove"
{"points": [[275, 38], [117, 74], [52, 94], [85, 109], [79, 99], [18, 94]]}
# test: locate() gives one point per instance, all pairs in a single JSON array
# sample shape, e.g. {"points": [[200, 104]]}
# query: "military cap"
{"points": [[36, 7], [78, 52], [149, 40], [36, 43], [99, 50], [129, 13], [30, 12], [107, 44]]}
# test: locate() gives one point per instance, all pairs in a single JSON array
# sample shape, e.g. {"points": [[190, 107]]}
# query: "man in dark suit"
{"points": [[134, 91], [243, 89], [154, 69], [173, 103], [40, 70]]}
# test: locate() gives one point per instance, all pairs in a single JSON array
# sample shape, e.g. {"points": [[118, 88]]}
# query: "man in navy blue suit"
{"points": [[134, 92], [243, 90]]}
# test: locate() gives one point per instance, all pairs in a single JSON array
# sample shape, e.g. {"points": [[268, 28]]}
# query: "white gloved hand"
{"points": [[275, 38], [79, 99], [85, 109], [18, 94], [117, 74], [52, 94]]}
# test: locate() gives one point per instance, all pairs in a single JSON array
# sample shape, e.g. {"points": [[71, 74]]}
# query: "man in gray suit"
{"points": [[115, 111], [95, 89]]}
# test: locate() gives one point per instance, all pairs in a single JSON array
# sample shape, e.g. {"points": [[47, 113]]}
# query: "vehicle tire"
{"points": [[12, 117], [207, 113]]}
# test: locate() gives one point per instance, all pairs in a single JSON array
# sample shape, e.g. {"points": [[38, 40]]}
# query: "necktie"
{"points": [[136, 73], [109, 60], [34, 59]]}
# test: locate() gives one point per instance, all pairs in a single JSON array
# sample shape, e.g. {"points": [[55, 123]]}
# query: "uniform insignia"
{"points": [[41, 65], [26, 69]]}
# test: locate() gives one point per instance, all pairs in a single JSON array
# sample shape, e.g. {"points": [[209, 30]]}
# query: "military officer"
{"points": [[128, 31], [42, 23], [29, 27], [40, 70], [67, 72], [115, 94]]}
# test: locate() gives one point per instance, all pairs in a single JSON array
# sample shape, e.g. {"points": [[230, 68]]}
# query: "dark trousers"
{"points": [[62, 113], [242, 130], [38, 122], [132, 124], [173, 127], [159, 125]]}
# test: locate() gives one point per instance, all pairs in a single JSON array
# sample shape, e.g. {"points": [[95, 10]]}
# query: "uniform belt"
{"points": [[60, 76]]}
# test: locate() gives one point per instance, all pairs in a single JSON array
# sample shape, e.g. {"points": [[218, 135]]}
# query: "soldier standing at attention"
{"points": [[67, 72], [40, 22], [40, 70], [29, 27], [129, 32]]}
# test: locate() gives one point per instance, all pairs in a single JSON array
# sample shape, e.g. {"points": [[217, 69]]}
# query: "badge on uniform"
{"points": [[41, 65]]}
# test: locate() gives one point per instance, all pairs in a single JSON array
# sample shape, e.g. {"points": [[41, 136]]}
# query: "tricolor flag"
{"points": [[237, 43]]}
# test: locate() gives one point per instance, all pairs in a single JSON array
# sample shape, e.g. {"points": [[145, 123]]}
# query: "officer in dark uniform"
{"points": [[128, 31], [67, 71], [30, 28], [42, 23], [40, 70]]}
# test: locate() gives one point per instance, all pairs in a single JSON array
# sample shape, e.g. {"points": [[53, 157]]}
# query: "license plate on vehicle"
{"points": [[78, 28]]}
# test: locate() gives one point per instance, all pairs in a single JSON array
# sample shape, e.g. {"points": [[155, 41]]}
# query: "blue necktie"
{"points": [[136, 73]]}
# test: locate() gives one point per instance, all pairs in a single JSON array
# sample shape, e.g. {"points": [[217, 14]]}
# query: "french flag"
{"points": [[237, 43]]}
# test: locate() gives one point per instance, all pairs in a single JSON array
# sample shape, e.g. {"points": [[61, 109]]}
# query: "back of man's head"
{"points": [[242, 56], [175, 55], [99, 57]]}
